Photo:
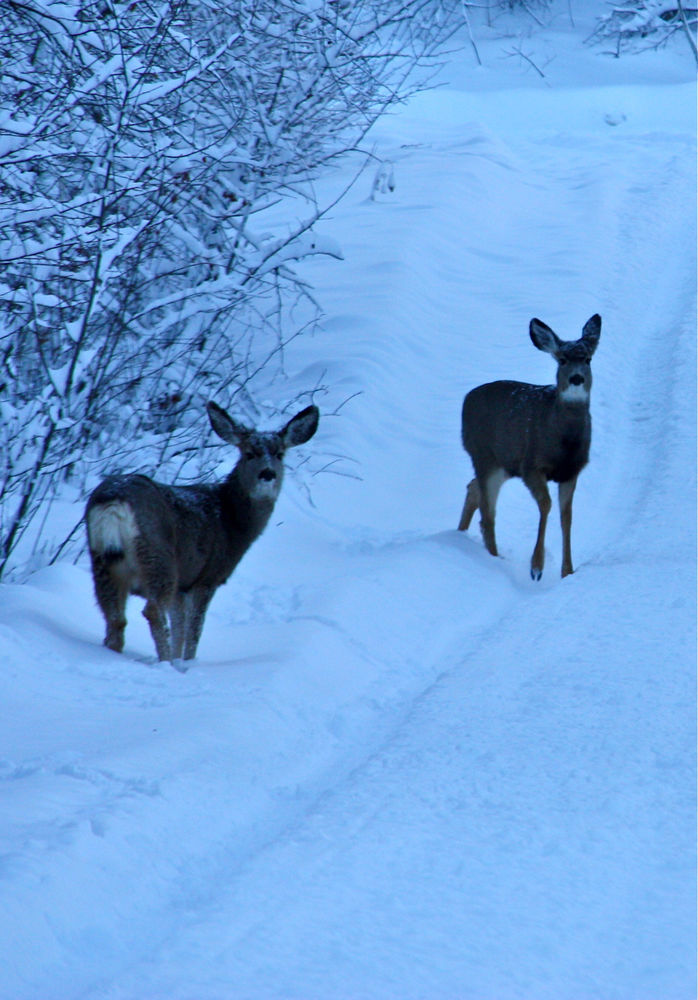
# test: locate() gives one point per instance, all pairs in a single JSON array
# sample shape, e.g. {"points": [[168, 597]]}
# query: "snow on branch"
{"points": [[640, 24]]}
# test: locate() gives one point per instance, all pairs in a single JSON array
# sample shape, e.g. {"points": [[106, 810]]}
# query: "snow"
{"points": [[400, 768]]}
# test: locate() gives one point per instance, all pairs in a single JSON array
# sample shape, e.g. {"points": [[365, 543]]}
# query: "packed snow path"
{"points": [[400, 768]]}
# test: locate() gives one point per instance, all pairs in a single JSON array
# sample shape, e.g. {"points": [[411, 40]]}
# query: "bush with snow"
{"points": [[141, 145]]}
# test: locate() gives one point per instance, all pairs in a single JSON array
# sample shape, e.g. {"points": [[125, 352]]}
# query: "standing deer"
{"points": [[175, 545], [536, 432]]}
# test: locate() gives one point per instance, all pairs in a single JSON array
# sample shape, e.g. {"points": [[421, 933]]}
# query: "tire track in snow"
{"points": [[507, 779], [485, 846], [248, 854]]}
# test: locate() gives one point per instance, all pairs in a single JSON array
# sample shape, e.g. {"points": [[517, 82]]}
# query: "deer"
{"points": [[538, 433], [176, 545]]}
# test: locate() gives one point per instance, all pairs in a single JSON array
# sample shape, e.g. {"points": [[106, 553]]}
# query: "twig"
{"points": [[520, 52], [530, 12], [466, 18], [687, 30]]}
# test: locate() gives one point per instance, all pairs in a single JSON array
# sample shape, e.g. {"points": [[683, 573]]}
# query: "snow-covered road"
{"points": [[400, 769]]}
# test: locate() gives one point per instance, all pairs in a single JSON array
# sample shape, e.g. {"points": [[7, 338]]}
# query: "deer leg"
{"points": [[565, 495], [158, 584], [155, 615], [538, 485], [112, 601], [199, 602], [178, 621], [114, 639], [472, 502], [488, 488]]}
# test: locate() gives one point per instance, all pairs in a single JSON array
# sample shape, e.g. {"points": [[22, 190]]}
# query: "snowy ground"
{"points": [[401, 770]]}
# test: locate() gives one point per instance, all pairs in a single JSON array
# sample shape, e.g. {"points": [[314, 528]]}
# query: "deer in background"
{"points": [[536, 432], [175, 545]]}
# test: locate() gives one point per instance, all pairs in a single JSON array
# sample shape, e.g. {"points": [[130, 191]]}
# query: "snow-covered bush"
{"points": [[141, 144], [646, 23]]}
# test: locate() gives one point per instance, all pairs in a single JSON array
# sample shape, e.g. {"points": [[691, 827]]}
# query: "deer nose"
{"points": [[267, 475], [576, 380]]}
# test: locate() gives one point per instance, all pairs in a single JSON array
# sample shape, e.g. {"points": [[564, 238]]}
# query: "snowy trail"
{"points": [[451, 856], [400, 768], [525, 773]]}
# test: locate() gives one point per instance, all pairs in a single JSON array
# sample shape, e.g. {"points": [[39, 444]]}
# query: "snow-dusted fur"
{"points": [[175, 545], [537, 432]]}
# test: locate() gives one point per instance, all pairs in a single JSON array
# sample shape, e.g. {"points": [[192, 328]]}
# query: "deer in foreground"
{"points": [[175, 545], [536, 432]]}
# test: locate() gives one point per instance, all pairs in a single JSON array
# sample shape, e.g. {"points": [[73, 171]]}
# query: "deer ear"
{"points": [[224, 425], [301, 428], [543, 337], [591, 333]]}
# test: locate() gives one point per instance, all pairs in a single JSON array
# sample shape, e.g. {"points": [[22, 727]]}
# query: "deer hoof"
{"points": [[536, 573]]}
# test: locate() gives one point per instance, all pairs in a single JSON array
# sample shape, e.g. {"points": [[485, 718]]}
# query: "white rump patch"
{"points": [[112, 527]]}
